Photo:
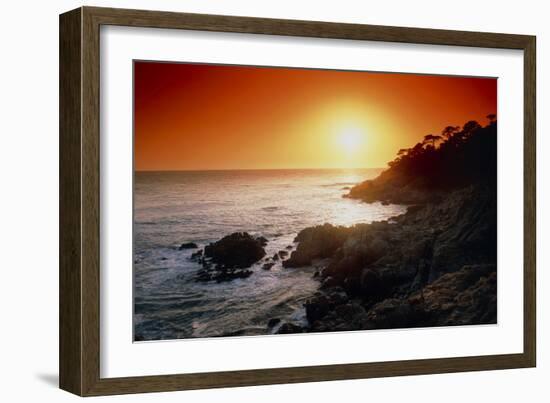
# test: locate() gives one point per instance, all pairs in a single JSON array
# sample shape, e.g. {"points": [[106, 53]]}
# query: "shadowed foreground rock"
{"points": [[288, 328]]}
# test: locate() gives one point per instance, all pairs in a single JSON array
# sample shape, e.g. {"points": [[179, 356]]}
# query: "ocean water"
{"points": [[203, 206]]}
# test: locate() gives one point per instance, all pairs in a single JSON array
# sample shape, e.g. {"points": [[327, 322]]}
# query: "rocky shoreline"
{"points": [[432, 266]]}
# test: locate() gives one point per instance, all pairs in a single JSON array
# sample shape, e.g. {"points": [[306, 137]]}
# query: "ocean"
{"points": [[171, 208]]}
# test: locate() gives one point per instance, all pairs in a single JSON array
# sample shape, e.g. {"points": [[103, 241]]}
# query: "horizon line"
{"points": [[254, 169]]}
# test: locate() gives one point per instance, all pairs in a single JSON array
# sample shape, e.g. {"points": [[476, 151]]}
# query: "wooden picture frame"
{"points": [[79, 346]]}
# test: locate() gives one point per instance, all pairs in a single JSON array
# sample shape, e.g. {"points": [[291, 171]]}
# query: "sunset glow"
{"points": [[350, 138], [202, 117]]}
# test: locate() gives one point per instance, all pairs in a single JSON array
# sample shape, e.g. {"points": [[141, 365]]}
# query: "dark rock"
{"points": [[329, 282], [227, 259], [273, 322], [282, 254], [238, 250], [275, 257], [289, 247], [317, 308], [289, 328], [203, 276], [340, 269], [395, 313], [376, 284], [188, 245], [467, 296], [320, 305], [316, 242], [268, 266], [464, 297], [414, 208], [344, 317], [370, 282], [262, 240], [337, 296], [349, 311], [196, 255], [351, 285]]}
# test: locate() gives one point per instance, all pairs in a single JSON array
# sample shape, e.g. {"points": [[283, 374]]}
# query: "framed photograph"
{"points": [[249, 201]]}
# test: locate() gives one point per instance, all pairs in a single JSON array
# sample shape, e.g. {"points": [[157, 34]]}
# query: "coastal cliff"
{"points": [[428, 171]]}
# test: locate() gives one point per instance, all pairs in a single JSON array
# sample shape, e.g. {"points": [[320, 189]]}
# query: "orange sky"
{"points": [[193, 116]]}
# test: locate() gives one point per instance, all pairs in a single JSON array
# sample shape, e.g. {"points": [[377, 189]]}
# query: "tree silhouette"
{"points": [[470, 127], [432, 138], [456, 157], [492, 118], [449, 131], [417, 150]]}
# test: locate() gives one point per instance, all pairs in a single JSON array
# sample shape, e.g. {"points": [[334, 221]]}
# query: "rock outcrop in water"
{"points": [[268, 265], [435, 265], [229, 258], [188, 245], [238, 250]]}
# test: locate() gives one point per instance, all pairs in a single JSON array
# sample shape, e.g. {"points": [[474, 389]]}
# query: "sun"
{"points": [[350, 138]]}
